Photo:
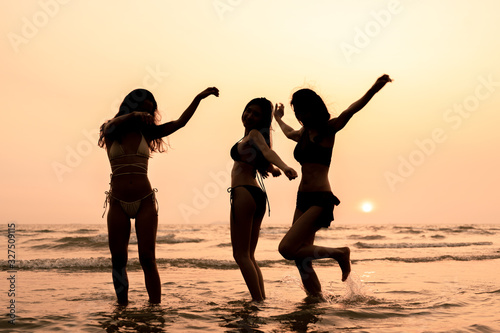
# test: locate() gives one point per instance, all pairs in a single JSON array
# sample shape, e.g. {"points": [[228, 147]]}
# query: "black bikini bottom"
{"points": [[326, 200], [257, 194]]}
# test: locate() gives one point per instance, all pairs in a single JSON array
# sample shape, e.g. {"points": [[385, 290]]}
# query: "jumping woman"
{"points": [[315, 200]]}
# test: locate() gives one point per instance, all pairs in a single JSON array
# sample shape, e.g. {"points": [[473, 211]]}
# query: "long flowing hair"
{"points": [[306, 101], [137, 100]]}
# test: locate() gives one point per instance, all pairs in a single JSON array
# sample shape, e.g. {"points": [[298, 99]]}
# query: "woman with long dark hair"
{"points": [[252, 157], [129, 138], [315, 200]]}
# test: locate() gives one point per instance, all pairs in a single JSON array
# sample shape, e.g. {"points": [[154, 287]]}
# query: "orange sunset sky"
{"points": [[424, 150]]}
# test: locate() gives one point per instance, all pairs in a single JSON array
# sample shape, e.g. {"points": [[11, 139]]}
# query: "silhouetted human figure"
{"points": [[252, 155], [129, 138], [315, 200]]}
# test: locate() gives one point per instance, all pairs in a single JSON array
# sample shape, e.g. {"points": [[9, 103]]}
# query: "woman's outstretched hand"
{"points": [[381, 82], [290, 173], [209, 91], [279, 111], [276, 172]]}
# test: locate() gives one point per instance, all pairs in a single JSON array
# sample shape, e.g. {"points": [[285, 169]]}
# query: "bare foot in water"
{"points": [[344, 260]]}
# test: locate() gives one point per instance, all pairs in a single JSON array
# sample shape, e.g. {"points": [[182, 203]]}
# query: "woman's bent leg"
{"points": [[146, 226], [118, 235], [308, 276], [295, 244]]}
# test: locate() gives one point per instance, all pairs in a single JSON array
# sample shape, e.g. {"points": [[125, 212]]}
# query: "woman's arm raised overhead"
{"points": [[172, 126], [339, 122]]}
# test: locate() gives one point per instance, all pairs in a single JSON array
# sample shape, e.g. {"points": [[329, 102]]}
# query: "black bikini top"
{"points": [[252, 151], [257, 160], [255, 157], [307, 151], [235, 154]]}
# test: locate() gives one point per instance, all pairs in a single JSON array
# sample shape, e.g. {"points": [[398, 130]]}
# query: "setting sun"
{"points": [[367, 207]]}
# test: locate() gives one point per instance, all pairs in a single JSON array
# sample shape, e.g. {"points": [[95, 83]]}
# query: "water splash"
{"points": [[355, 292]]}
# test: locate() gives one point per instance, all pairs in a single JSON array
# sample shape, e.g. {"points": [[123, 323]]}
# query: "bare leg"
{"points": [[118, 235], [242, 219], [295, 246], [307, 274], [257, 222], [146, 225]]}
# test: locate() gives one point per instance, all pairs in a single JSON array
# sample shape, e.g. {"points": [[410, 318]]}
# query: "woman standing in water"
{"points": [[252, 154], [315, 200], [129, 138]]}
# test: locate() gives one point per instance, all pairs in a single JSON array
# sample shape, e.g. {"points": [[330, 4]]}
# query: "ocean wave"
{"points": [[370, 237], [172, 239], [490, 292], [93, 264], [68, 242], [101, 241], [438, 236], [471, 229], [227, 244], [275, 230], [408, 230], [433, 259], [362, 245], [480, 230], [104, 264], [84, 231], [43, 231]]}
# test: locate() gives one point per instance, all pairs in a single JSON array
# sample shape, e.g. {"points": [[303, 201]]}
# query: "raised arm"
{"points": [[287, 130], [270, 155], [172, 126], [339, 122]]}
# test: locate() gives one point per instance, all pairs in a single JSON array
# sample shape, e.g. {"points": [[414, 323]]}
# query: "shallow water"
{"points": [[404, 279]]}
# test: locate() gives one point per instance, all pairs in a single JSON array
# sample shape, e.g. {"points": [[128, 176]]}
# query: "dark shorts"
{"points": [[325, 200]]}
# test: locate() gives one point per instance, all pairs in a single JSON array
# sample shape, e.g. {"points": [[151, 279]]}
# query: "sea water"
{"points": [[419, 278]]}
